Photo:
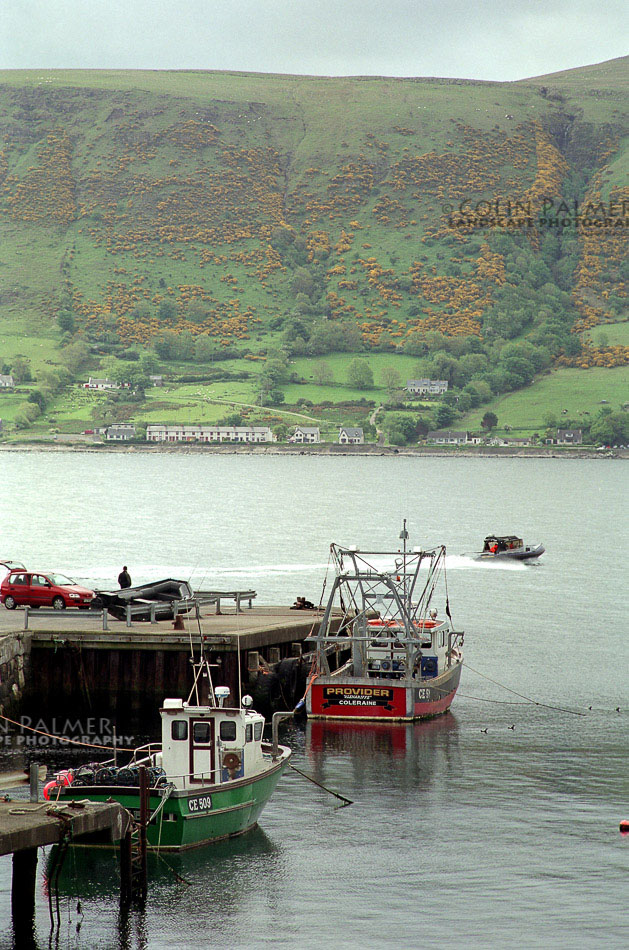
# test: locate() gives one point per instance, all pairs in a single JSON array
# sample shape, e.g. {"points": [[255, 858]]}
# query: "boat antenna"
{"points": [[404, 539]]}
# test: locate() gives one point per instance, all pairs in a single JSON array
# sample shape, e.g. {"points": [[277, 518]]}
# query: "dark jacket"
{"points": [[124, 579]]}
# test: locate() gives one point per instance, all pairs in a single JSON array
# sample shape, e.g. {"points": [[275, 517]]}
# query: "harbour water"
{"points": [[493, 826]]}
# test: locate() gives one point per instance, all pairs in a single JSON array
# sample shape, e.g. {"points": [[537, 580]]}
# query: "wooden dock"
{"points": [[27, 826], [30, 825]]}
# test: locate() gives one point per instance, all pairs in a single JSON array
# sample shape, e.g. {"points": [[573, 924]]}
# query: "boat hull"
{"points": [[519, 554], [349, 697], [194, 817]]}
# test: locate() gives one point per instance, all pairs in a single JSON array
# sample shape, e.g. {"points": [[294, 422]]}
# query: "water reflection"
{"points": [[190, 887], [92, 873], [416, 752]]}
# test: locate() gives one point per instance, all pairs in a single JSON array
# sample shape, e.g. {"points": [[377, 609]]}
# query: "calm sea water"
{"points": [[458, 837]]}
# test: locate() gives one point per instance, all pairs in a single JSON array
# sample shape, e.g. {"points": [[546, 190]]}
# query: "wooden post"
{"points": [[126, 886], [33, 775], [23, 896], [144, 820]]}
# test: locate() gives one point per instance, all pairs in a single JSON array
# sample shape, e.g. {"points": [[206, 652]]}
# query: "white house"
{"points": [[431, 387], [93, 383], [447, 437], [6, 382], [309, 434], [351, 436], [157, 432], [509, 440], [569, 436], [120, 432]]}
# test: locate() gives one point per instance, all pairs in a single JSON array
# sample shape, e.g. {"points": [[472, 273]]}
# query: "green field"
{"points": [[613, 333], [580, 392]]}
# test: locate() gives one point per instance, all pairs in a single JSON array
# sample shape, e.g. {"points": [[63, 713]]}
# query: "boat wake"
{"points": [[466, 562], [262, 570], [104, 577]]}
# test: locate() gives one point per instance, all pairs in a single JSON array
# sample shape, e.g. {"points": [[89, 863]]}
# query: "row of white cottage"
{"points": [[208, 433], [451, 437]]}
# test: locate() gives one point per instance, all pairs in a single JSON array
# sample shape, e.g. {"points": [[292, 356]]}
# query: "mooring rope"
{"points": [[50, 735], [535, 702]]}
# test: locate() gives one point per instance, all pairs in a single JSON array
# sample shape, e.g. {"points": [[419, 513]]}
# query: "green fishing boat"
{"points": [[209, 779]]}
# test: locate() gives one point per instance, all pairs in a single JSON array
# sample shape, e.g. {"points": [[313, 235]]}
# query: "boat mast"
{"points": [[404, 539], [201, 667]]}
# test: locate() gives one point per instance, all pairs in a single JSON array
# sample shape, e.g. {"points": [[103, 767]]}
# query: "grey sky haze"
{"points": [[476, 39]]}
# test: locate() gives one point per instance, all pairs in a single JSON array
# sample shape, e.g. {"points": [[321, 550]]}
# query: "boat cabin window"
{"points": [[179, 729], [249, 733], [257, 730], [201, 732], [228, 731]]}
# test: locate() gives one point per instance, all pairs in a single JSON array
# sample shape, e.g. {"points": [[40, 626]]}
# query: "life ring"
{"points": [[48, 787], [231, 761], [426, 624]]}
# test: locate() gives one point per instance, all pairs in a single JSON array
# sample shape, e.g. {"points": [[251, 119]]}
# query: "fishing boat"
{"points": [[405, 660], [509, 546], [209, 779]]}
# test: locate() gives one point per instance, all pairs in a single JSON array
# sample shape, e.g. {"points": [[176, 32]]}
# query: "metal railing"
{"points": [[208, 597], [66, 614], [187, 605], [131, 611]]}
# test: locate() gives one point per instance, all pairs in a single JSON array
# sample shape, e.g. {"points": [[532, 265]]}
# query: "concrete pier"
{"points": [[72, 663]]}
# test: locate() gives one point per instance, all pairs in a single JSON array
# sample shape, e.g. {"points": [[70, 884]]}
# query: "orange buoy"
{"points": [[624, 826]]}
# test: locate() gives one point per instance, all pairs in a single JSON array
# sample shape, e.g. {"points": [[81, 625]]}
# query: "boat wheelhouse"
{"points": [[405, 660]]}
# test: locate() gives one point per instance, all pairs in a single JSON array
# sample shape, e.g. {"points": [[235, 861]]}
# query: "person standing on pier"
{"points": [[124, 578]]}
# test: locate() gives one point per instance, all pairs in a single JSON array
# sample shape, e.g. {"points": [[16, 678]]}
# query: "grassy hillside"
{"points": [[417, 222]]}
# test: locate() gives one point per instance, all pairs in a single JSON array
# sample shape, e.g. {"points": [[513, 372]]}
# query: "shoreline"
{"points": [[323, 450]]}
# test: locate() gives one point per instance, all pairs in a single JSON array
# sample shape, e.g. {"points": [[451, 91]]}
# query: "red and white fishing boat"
{"points": [[406, 659]]}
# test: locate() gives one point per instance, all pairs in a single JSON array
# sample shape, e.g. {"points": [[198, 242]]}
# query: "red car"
{"points": [[21, 588]]}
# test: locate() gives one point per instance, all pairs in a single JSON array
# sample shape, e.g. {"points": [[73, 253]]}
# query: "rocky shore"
{"points": [[324, 449]]}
